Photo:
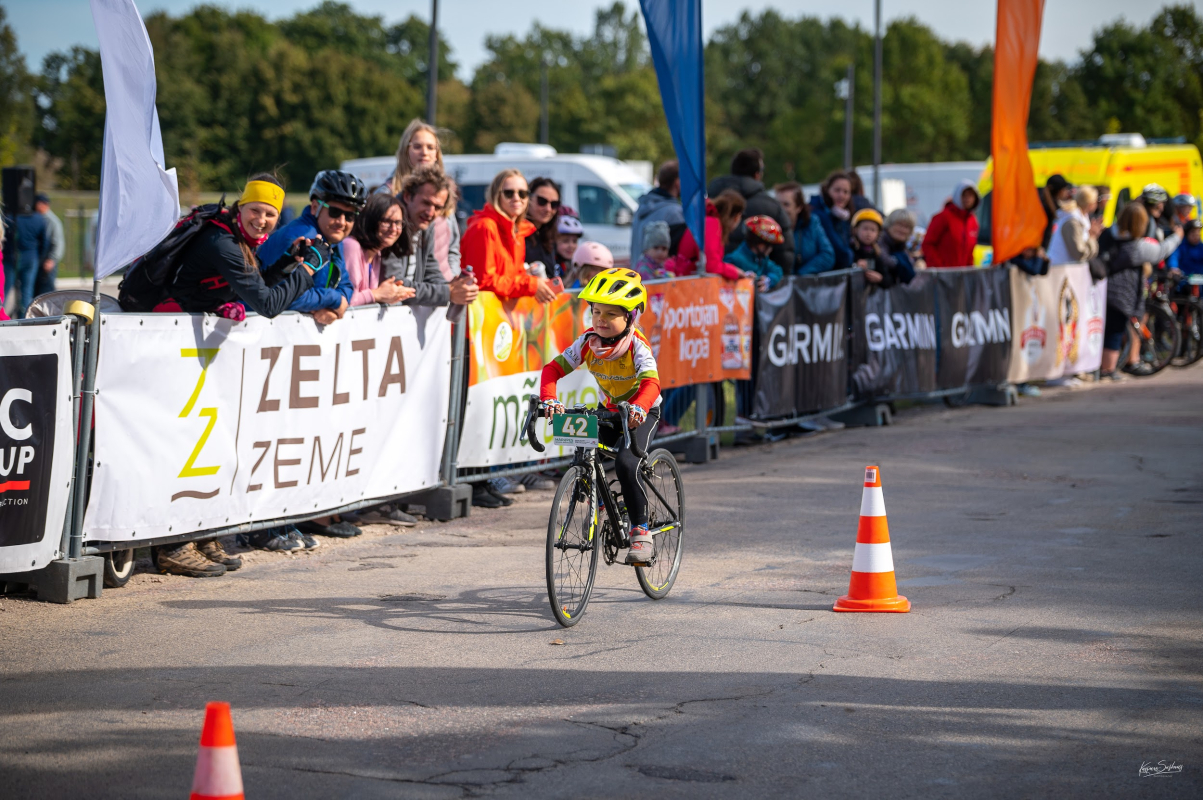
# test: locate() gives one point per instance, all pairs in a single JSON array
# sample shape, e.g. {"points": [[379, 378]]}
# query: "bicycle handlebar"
{"points": [[602, 414]]}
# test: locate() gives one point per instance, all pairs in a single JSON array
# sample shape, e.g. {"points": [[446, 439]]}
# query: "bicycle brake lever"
{"points": [[529, 426]]}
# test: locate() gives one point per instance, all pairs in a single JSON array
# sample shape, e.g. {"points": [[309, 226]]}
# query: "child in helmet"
{"points": [[760, 235], [568, 234], [620, 358], [589, 260]]}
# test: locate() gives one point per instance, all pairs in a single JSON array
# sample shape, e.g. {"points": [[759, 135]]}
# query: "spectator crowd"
{"points": [[400, 242]]}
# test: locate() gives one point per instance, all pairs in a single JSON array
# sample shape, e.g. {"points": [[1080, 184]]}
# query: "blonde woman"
{"points": [[420, 145], [494, 243]]}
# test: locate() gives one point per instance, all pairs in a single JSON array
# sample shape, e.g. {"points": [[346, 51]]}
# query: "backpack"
{"points": [[149, 279]]}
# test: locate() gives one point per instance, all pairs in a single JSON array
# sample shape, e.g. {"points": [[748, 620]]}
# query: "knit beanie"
{"points": [[655, 234]]}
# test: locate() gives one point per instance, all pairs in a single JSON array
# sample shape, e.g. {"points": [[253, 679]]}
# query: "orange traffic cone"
{"points": [[218, 775], [872, 587]]}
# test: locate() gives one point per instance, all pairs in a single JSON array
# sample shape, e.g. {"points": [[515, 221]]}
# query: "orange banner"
{"points": [[1018, 218], [700, 330]]}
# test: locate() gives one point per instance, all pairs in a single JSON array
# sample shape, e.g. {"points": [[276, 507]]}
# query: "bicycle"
{"points": [[1157, 332], [574, 539], [1189, 309]]}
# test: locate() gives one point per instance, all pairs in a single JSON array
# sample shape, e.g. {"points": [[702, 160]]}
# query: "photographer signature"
{"points": [[1159, 770]]}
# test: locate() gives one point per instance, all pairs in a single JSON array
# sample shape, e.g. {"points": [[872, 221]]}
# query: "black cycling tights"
{"points": [[626, 465]]}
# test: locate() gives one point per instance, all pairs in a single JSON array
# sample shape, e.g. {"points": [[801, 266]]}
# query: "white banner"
{"points": [[203, 423], [496, 409], [1082, 308], [1057, 323], [36, 442]]}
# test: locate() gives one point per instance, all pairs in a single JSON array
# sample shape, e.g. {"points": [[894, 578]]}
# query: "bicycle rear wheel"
{"points": [[572, 545], [666, 522], [1166, 338], [1192, 335]]}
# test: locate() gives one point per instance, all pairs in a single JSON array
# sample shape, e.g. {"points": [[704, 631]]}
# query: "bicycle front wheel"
{"points": [[572, 544], [1192, 335], [666, 523]]}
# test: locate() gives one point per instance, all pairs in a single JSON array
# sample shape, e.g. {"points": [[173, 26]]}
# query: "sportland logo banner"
{"points": [[203, 423], [35, 442], [700, 329], [695, 327], [1056, 323]]}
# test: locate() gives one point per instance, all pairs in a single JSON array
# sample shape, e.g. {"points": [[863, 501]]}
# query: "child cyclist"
{"points": [[620, 358]]}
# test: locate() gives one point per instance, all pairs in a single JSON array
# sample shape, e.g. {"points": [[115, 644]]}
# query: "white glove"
{"points": [[549, 408]]}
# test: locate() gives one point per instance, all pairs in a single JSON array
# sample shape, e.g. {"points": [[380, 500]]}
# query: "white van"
{"points": [[603, 190]]}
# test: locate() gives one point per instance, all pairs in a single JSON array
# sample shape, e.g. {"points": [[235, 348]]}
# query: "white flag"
{"points": [[139, 200]]}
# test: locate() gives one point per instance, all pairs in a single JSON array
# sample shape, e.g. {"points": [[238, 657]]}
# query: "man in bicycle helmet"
{"points": [[621, 359], [1184, 207], [1154, 197], [335, 200]]}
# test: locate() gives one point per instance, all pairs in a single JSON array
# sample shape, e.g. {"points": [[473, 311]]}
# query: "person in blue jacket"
{"points": [[754, 253], [812, 249], [833, 208], [335, 200], [1188, 258]]}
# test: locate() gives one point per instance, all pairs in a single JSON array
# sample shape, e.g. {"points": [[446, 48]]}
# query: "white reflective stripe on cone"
{"points": [[872, 558], [217, 772], [872, 502]]}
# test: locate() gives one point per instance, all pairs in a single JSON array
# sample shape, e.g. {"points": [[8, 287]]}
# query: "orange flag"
{"points": [[1018, 218]]}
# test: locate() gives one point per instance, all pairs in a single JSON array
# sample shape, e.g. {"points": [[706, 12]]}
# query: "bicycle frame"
{"points": [[590, 459]]}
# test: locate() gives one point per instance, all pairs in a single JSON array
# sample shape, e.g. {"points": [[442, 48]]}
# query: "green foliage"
{"points": [[239, 94], [16, 99]]}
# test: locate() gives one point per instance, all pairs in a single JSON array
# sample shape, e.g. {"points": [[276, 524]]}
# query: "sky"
{"points": [[43, 26]]}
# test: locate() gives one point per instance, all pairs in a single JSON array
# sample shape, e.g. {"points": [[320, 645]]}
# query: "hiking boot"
{"points": [[185, 559], [307, 540], [212, 550], [538, 483], [338, 530], [642, 547], [388, 515], [505, 486], [483, 498], [275, 539]]}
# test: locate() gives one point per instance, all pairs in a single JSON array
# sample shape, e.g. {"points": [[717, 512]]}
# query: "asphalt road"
{"points": [[1051, 552]]}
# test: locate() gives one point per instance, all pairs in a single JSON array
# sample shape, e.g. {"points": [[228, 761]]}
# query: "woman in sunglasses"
{"points": [[494, 243], [543, 213]]}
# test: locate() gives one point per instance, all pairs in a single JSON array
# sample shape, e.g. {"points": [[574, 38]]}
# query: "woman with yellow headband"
{"points": [[219, 272]]}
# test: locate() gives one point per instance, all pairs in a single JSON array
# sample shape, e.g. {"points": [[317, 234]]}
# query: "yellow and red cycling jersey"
{"points": [[631, 377]]}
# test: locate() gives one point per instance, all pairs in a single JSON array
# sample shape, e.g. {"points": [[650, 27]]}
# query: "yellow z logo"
{"points": [[206, 355]]}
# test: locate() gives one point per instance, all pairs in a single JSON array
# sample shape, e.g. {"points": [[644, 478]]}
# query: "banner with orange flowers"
{"points": [[700, 329]]}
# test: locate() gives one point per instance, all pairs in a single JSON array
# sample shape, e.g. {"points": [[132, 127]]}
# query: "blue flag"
{"points": [[674, 31]]}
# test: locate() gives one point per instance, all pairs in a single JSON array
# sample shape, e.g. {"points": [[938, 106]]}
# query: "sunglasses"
{"points": [[338, 213], [509, 193], [543, 201]]}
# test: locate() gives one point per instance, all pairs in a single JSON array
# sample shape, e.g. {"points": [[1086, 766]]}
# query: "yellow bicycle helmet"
{"points": [[616, 287]]}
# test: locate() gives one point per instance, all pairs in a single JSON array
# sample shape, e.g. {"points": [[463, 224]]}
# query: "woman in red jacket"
{"points": [[722, 215], [952, 233], [494, 244]]}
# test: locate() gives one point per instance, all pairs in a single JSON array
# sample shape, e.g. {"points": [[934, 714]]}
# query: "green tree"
{"points": [[16, 98], [72, 121]]}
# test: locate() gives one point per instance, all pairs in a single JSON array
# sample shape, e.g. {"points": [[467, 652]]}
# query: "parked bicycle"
{"points": [[1157, 332], [574, 536], [1188, 307]]}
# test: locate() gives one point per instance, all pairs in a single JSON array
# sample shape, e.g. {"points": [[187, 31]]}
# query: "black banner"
{"points": [[973, 312], [895, 338], [802, 365], [28, 390]]}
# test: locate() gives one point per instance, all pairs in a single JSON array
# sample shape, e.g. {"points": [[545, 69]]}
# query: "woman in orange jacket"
{"points": [[494, 244]]}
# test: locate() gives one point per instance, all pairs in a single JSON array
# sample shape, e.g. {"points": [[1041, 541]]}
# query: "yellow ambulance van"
{"points": [[1119, 164]]}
